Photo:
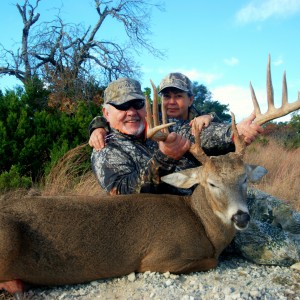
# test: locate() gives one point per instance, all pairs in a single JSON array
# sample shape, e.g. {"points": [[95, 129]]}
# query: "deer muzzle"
{"points": [[241, 220]]}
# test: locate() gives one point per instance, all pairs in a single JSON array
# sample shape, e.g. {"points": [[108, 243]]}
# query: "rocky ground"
{"points": [[234, 278]]}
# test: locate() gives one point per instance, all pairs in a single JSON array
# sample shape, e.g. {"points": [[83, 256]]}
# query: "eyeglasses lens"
{"points": [[125, 106]]}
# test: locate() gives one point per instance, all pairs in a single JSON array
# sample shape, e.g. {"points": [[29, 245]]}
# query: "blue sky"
{"points": [[222, 44]]}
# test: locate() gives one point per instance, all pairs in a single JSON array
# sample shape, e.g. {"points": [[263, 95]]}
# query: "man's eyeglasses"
{"points": [[136, 104]]}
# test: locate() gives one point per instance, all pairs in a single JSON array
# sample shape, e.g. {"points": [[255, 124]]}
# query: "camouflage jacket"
{"points": [[130, 165]]}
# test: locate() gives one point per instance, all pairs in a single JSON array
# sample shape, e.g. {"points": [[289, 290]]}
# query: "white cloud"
{"points": [[278, 61], [231, 61], [202, 77], [261, 10], [240, 102], [237, 97], [192, 74]]}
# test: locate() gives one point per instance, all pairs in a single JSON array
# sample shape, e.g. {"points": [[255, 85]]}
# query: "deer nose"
{"points": [[241, 220]]}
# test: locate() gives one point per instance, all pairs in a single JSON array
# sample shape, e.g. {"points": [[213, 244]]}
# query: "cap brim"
{"points": [[128, 97], [172, 86]]}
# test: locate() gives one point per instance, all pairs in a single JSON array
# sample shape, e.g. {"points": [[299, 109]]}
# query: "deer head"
{"points": [[224, 180]]}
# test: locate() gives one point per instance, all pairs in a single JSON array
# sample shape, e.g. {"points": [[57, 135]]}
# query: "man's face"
{"points": [[176, 103], [130, 121]]}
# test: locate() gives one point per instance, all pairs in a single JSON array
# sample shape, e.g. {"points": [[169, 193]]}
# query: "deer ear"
{"points": [[255, 173], [183, 179]]}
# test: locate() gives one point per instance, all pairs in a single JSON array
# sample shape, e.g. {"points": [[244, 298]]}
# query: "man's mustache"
{"points": [[132, 119]]}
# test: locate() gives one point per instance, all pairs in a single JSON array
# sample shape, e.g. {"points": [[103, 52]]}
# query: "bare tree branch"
{"points": [[51, 48]]}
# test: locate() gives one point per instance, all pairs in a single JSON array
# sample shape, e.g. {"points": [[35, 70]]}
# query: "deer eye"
{"points": [[244, 180], [211, 184]]}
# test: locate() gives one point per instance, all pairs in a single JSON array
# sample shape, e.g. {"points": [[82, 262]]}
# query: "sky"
{"points": [[222, 44]]}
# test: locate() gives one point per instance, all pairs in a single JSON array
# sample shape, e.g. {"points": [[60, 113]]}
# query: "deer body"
{"points": [[68, 240], [60, 240]]}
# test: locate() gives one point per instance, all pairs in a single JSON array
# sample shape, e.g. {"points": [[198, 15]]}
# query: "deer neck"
{"points": [[219, 233]]}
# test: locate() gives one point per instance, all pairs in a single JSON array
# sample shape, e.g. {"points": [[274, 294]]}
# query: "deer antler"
{"points": [[196, 148], [155, 131], [155, 109], [240, 146], [200, 155], [272, 112]]}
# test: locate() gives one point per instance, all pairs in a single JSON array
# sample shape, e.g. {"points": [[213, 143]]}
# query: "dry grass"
{"points": [[72, 175], [283, 178]]}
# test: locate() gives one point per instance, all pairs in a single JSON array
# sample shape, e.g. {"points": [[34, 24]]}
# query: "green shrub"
{"points": [[12, 180]]}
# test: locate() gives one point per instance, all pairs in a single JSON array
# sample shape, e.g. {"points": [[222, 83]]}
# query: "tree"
{"points": [[204, 103], [33, 136], [72, 55], [295, 122]]}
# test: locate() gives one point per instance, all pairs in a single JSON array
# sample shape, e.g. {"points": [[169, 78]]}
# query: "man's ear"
{"points": [[105, 113]]}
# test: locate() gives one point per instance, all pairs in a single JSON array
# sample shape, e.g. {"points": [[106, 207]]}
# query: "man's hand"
{"points": [[97, 139], [249, 129], [175, 146]]}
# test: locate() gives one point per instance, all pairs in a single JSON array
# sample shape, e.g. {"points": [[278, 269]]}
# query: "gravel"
{"points": [[234, 278]]}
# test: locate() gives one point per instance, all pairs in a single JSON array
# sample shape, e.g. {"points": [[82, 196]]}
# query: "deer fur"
{"points": [[69, 240]]}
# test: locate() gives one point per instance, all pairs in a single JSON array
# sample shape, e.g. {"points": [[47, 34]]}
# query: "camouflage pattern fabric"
{"points": [[216, 139], [129, 165], [273, 235], [123, 90], [98, 122], [176, 80]]}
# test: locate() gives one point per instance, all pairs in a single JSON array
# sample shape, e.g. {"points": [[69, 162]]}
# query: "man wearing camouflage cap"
{"points": [[119, 97]]}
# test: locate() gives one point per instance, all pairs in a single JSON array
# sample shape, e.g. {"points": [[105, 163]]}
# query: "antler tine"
{"points": [[254, 100], [270, 90], [155, 109], [155, 132], [272, 112], [149, 113], [155, 105], [196, 149], [240, 146], [284, 90], [164, 118]]}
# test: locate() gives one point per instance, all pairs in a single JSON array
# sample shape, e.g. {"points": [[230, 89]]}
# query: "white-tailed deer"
{"points": [[69, 240]]}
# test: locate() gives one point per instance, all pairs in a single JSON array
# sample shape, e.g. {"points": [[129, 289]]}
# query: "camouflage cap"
{"points": [[176, 80], [123, 90]]}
